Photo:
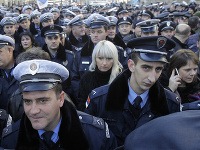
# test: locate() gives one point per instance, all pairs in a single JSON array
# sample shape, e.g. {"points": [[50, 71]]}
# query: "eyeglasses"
{"points": [[51, 37]]}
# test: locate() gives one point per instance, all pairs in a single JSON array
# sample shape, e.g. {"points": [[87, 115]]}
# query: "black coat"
{"points": [[71, 135], [95, 129], [113, 106]]}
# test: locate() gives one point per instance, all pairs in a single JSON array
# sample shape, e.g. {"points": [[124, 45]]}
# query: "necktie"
{"points": [[137, 102], [136, 108], [47, 138]]}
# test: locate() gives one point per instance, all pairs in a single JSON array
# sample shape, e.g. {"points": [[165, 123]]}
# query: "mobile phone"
{"points": [[176, 71]]}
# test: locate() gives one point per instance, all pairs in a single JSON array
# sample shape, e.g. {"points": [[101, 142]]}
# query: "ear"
{"points": [[61, 98], [131, 65]]}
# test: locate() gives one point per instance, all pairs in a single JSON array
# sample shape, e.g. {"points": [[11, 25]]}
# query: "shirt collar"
{"points": [[55, 135], [132, 95]]}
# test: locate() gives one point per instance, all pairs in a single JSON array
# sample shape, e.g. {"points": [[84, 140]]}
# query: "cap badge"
{"points": [[124, 18], [95, 18], [110, 18], [168, 23], [33, 68], [161, 41]]}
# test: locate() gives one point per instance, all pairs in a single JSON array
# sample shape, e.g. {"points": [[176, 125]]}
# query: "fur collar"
{"points": [[74, 41], [87, 48], [71, 135], [118, 94]]}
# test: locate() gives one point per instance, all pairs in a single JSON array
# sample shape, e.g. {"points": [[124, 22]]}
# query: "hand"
{"points": [[174, 81]]}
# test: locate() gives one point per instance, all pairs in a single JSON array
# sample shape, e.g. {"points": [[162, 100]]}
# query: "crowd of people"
{"points": [[99, 77]]}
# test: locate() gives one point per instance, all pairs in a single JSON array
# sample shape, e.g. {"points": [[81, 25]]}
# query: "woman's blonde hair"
{"points": [[108, 50]]}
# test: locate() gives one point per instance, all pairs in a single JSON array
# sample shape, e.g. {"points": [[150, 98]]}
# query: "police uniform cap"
{"points": [[75, 9], [76, 21], [149, 25], [46, 16], [6, 40], [51, 30], [65, 22], [121, 11], [113, 20], [23, 17], [35, 13], [124, 20], [68, 12], [39, 75], [97, 21], [166, 25], [54, 10], [162, 15], [27, 7], [147, 13], [8, 21], [152, 48]]}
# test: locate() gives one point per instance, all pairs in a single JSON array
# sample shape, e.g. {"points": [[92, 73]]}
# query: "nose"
{"points": [[152, 77], [34, 109]]}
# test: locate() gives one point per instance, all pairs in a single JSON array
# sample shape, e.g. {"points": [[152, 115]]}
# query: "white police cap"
{"points": [[97, 21], [35, 13], [113, 20], [6, 40], [46, 16], [8, 21], [27, 7], [67, 12], [39, 75], [23, 17], [76, 21], [54, 10]]}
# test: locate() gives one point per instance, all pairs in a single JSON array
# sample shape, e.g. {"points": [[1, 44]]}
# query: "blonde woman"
{"points": [[103, 70]]}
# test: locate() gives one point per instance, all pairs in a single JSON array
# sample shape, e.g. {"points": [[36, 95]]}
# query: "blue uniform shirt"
{"points": [[132, 95], [55, 136]]}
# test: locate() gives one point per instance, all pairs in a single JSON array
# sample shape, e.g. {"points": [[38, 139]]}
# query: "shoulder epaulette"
{"points": [[99, 91], [88, 119], [68, 51]]}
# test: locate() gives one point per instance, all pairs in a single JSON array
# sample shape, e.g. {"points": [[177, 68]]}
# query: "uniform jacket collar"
{"points": [[118, 94], [71, 135]]}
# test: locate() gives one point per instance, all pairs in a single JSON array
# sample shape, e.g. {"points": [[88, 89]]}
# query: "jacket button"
{"points": [[80, 117], [149, 116]]}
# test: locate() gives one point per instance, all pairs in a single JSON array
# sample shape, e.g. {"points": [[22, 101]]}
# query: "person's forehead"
{"points": [[98, 29], [26, 20], [8, 25], [34, 95]]}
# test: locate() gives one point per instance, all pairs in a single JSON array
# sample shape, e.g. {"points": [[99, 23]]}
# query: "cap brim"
{"points": [[150, 57], [37, 86], [148, 29]]}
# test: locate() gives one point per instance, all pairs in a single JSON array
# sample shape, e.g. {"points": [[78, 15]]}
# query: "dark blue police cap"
{"points": [[124, 20], [51, 30], [121, 11], [151, 49], [148, 25], [166, 25]]}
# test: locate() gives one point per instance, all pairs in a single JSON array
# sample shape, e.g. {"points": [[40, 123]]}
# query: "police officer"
{"points": [[112, 35], [77, 36], [7, 64], [40, 82], [35, 23], [56, 15], [167, 29], [24, 23], [46, 19], [98, 31], [149, 27], [140, 97]]}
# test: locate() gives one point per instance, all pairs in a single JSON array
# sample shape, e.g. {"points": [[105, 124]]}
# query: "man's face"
{"points": [[153, 33], [43, 108], [36, 19], [98, 34], [28, 11], [55, 15], [25, 24], [47, 23], [125, 29], [137, 31], [78, 31], [9, 30], [144, 74], [52, 41], [6, 57], [111, 32], [168, 33]]}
